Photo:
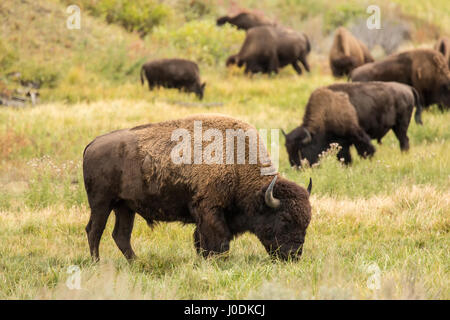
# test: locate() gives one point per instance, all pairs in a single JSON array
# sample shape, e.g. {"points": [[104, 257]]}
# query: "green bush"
{"points": [[200, 40], [342, 15], [134, 15], [7, 56], [40, 73]]}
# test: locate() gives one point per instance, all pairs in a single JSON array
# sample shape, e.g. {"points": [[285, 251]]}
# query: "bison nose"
{"points": [[288, 254]]}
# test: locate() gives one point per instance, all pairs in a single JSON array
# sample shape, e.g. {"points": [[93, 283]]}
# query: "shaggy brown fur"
{"points": [[329, 118], [132, 171], [173, 73], [443, 46], [245, 20], [266, 49], [424, 69], [347, 53]]}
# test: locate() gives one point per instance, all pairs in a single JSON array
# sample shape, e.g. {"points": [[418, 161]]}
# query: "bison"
{"points": [[382, 106], [347, 53], [173, 73], [266, 49], [443, 46], [137, 170], [245, 20], [424, 69], [329, 118]]}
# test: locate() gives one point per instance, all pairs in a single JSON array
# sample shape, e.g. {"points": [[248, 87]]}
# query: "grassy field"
{"points": [[386, 219]]}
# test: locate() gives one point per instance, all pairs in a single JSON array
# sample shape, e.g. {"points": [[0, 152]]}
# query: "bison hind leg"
{"points": [[122, 230], [401, 134], [95, 227]]}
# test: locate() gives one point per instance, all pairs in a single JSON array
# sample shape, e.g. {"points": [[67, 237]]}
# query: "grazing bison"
{"points": [[139, 170], [382, 106], [173, 73], [347, 53], [424, 69], [329, 118], [245, 20], [266, 49], [443, 46]]}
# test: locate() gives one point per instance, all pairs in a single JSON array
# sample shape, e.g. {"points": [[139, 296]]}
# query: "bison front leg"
{"points": [[212, 235], [344, 154], [305, 63], [362, 143], [297, 67]]}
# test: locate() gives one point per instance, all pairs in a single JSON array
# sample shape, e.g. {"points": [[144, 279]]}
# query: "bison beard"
{"points": [[130, 171]]}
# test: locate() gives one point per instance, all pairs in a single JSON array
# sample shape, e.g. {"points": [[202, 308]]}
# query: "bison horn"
{"points": [[270, 200], [308, 138], [284, 133], [309, 186]]}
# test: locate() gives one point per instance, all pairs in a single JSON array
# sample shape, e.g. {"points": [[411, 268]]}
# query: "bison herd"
{"points": [[131, 171]]}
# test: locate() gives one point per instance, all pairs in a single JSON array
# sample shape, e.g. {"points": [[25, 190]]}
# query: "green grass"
{"points": [[392, 210]]}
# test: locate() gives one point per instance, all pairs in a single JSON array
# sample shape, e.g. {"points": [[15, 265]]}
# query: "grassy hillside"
{"points": [[392, 211]]}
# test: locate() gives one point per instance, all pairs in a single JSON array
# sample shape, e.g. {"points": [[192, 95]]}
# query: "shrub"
{"points": [[200, 40], [7, 56], [134, 15]]}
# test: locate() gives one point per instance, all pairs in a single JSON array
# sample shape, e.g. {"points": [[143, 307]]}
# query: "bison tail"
{"points": [[419, 107], [142, 75], [308, 44]]}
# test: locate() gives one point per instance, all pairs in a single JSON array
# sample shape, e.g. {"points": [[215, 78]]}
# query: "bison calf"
{"points": [[133, 171], [329, 118], [173, 73], [347, 53]]}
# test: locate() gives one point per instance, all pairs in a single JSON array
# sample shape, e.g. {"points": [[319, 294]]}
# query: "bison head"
{"points": [[199, 91], [302, 144], [444, 94], [222, 20], [284, 215]]}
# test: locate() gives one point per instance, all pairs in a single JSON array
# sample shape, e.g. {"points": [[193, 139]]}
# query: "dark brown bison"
{"points": [[382, 106], [424, 69], [245, 20], [443, 46], [266, 49], [173, 73], [140, 170], [347, 53], [329, 118]]}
